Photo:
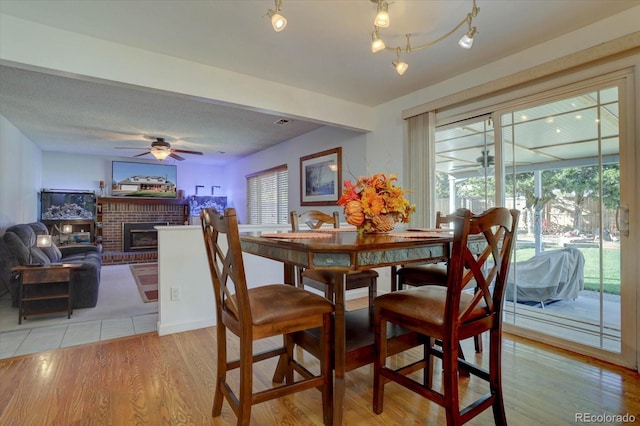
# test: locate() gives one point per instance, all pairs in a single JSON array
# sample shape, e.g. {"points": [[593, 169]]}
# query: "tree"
{"points": [[583, 182], [524, 188]]}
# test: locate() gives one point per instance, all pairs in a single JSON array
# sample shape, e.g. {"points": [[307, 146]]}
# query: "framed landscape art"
{"points": [[321, 178]]}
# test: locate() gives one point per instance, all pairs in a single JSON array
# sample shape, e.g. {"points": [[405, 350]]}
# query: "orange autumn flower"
{"points": [[372, 197]]}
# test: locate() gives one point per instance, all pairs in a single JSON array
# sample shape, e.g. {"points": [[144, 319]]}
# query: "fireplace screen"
{"points": [[139, 236]]}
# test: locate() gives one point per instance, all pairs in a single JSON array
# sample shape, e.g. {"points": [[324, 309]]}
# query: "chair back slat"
{"points": [[489, 268], [224, 253], [442, 219], [314, 219]]}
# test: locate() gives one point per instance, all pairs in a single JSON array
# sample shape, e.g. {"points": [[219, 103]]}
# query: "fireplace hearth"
{"points": [[139, 236]]}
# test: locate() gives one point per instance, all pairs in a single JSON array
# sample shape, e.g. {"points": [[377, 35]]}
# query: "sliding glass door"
{"points": [[557, 158], [465, 165]]}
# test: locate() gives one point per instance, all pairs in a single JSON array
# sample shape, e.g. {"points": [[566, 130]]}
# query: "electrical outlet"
{"points": [[175, 294]]}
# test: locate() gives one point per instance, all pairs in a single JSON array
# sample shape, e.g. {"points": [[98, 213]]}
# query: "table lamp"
{"points": [[42, 241], [66, 230]]}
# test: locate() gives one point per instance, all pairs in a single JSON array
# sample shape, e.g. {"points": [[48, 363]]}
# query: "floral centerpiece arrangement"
{"points": [[374, 203]]}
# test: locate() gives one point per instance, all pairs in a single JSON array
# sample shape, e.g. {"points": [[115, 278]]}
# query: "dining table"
{"points": [[340, 251]]}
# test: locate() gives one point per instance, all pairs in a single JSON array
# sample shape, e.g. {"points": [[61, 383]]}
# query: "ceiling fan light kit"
{"points": [[160, 154], [382, 20]]}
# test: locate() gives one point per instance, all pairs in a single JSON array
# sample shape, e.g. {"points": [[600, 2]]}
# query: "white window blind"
{"points": [[268, 197]]}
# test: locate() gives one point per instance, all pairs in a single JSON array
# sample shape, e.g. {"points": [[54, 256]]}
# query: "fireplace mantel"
{"points": [[141, 200]]}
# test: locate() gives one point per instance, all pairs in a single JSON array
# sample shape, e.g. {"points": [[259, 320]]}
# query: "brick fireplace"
{"points": [[114, 212]]}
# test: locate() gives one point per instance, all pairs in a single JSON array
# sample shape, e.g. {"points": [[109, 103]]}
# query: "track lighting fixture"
{"points": [[277, 20], [466, 41], [382, 21], [382, 16]]}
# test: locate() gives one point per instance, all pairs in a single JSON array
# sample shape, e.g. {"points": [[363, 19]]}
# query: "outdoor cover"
{"points": [[552, 275]]}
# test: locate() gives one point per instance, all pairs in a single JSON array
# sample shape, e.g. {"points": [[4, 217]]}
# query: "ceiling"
{"points": [[323, 49]]}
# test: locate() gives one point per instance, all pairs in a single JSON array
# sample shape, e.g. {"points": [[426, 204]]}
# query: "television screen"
{"points": [[143, 180]]}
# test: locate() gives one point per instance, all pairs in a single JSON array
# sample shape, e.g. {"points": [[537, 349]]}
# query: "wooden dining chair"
{"points": [[322, 280], [429, 273], [257, 313], [449, 314], [423, 274]]}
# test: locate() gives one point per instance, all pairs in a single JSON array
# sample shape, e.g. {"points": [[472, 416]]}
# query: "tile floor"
{"points": [[120, 312], [22, 342]]}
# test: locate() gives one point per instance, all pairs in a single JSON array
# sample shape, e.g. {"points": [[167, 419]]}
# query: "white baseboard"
{"points": [[164, 329]]}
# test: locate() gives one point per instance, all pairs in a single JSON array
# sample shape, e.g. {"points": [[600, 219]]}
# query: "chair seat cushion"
{"points": [[281, 302], [426, 304]]}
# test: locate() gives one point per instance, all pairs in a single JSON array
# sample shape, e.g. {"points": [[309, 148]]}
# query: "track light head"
{"points": [[401, 67], [278, 22], [376, 42], [382, 17], [467, 40]]}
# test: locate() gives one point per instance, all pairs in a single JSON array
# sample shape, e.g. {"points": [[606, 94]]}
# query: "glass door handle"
{"points": [[622, 220]]}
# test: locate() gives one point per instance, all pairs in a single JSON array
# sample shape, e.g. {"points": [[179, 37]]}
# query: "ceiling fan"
{"points": [[161, 149], [484, 161]]}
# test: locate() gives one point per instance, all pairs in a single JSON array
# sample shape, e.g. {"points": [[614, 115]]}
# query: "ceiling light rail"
{"points": [[382, 20], [401, 67]]}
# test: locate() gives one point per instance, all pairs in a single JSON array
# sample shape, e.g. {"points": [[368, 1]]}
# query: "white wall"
{"points": [[353, 164], [79, 171], [183, 265], [20, 170]]}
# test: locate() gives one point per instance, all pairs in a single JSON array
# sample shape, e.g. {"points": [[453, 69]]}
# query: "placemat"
{"points": [[429, 230], [421, 234], [292, 235]]}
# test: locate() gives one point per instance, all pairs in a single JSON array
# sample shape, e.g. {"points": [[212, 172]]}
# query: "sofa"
{"points": [[18, 247]]}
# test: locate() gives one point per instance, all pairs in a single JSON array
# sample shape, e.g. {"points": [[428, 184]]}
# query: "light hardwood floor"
{"points": [[147, 379]]}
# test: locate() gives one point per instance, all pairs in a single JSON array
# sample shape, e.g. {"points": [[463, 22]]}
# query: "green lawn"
{"points": [[610, 267]]}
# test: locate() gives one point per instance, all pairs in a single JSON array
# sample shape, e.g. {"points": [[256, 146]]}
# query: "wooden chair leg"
{"points": [[218, 396], [477, 341], [461, 371], [246, 383], [380, 338], [373, 291], [394, 278], [326, 371], [429, 364], [289, 344], [450, 382], [495, 376]]}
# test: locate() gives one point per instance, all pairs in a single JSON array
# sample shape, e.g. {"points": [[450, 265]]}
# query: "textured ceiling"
{"points": [[324, 49]]}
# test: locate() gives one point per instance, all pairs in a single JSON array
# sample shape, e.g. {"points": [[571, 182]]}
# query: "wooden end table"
{"points": [[34, 278]]}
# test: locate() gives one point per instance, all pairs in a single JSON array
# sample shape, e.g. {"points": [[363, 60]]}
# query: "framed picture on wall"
{"points": [[321, 178]]}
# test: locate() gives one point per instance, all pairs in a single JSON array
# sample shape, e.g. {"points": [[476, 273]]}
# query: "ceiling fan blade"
{"points": [[184, 151], [128, 147], [176, 156], [144, 153]]}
